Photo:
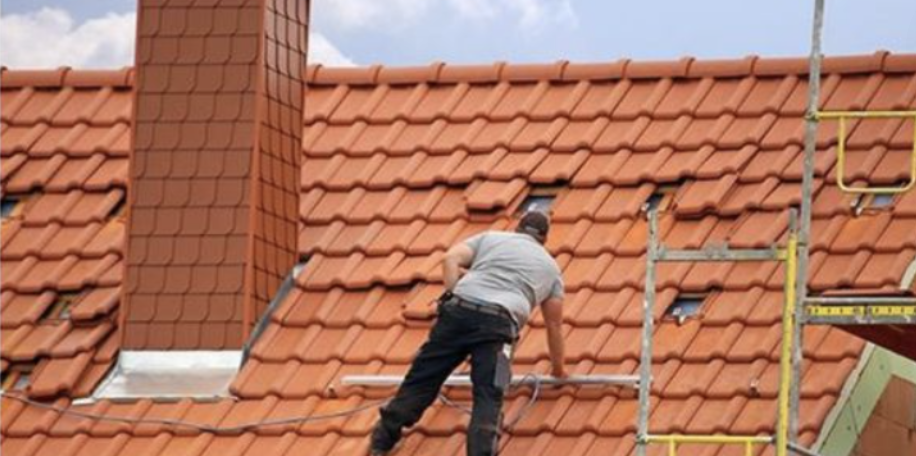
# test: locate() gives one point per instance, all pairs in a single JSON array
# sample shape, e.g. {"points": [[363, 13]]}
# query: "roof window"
{"points": [[660, 200], [684, 307], [873, 201], [539, 199], [8, 205], [882, 200], [18, 377], [60, 310], [118, 209]]}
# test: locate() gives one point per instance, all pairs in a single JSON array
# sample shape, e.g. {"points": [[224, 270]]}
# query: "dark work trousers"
{"points": [[458, 333]]}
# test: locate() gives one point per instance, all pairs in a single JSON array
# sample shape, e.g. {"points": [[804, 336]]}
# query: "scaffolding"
{"points": [[657, 253], [835, 310], [799, 309]]}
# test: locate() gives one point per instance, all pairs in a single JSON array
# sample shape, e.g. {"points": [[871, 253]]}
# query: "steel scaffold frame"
{"points": [[846, 310], [657, 253]]}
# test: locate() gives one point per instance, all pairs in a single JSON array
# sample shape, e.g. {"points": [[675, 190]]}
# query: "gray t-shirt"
{"points": [[512, 270]]}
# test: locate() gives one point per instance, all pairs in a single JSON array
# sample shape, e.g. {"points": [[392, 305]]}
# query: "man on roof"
{"points": [[507, 275]]}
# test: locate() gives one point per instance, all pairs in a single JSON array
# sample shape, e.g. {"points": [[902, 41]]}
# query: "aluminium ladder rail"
{"points": [[860, 310], [657, 253], [464, 380]]}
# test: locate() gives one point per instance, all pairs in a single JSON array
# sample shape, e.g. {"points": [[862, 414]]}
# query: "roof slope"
{"points": [[402, 162]]}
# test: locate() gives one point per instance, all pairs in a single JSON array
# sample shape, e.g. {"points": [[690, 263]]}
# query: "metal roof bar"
{"points": [[804, 228], [862, 300], [860, 310], [719, 253], [861, 316], [463, 380]]}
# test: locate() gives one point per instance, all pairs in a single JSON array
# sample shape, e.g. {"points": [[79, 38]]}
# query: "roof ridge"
{"points": [[66, 77], [561, 70]]}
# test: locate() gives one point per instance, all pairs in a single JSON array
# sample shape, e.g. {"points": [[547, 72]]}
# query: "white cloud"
{"points": [[475, 9], [324, 52], [394, 14], [537, 13], [50, 37], [354, 14]]}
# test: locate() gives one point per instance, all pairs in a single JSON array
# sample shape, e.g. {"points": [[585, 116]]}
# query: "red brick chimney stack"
{"points": [[214, 181]]}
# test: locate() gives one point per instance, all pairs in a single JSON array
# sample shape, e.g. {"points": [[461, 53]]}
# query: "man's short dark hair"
{"points": [[536, 224]]}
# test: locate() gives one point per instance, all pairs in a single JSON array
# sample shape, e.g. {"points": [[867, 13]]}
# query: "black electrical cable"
{"points": [[521, 414], [506, 427], [217, 430], [244, 427]]}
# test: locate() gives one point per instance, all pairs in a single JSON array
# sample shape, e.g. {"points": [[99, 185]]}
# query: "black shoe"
{"points": [[384, 440]]}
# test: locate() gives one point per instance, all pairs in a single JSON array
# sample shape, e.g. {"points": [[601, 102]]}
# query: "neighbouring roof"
{"points": [[402, 162]]}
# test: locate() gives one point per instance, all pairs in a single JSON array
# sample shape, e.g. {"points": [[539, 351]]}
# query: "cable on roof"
{"points": [[249, 426], [505, 427], [218, 430]]}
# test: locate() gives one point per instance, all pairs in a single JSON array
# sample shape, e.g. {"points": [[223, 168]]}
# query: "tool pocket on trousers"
{"points": [[503, 374]]}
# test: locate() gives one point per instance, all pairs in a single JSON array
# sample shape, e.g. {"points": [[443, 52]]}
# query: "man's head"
{"points": [[536, 224]]}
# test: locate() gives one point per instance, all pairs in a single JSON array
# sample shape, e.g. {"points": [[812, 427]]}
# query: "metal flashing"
{"points": [[171, 375]]}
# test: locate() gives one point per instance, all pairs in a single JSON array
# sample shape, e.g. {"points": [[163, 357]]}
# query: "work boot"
{"points": [[384, 439]]}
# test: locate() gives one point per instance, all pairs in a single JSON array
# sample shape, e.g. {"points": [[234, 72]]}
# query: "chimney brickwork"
{"points": [[214, 185]]}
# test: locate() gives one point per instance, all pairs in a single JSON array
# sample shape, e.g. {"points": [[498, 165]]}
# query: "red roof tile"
{"points": [[400, 163]]}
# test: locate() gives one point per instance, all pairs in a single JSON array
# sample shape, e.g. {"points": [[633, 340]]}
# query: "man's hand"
{"points": [[558, 371], [553, 318]]}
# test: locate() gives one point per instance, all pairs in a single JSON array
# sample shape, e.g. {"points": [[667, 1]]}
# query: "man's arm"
{"points": [[553, 318], [457, 257]]}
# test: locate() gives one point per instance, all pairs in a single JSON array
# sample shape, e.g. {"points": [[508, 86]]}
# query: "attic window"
{"points": [[684, 307], [881, 200], [873, 201], [60, 310], [18, 377], [118, 209], [8, 205], [660, 200], [539, 199]]}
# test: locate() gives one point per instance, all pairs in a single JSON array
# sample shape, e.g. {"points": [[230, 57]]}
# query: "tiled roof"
{"points": [[402, 162]]}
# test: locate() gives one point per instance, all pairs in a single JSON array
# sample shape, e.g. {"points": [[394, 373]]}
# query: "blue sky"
{"points": [[411, 32]]}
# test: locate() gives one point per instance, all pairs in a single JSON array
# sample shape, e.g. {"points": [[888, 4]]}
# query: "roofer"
{"points": [[480, 313]]}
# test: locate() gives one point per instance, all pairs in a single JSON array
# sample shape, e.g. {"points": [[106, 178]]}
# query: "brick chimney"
{"points": [[214, 179]]}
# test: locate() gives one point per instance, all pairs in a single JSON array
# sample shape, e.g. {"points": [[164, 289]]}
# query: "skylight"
{"points": [[536, 203], [17, 377], [685, 306], [661, 198], [882, 200], [874, 201], [540, 199], [118, 209], [7, 205], [60, 310], [22, 381]]}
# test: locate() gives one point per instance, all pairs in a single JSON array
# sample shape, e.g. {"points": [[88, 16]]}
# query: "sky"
{"points": [[99, 33]]}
